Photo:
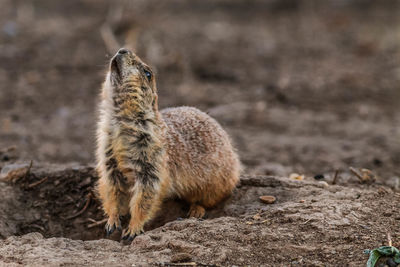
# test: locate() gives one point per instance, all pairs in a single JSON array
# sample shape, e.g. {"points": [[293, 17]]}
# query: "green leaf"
{"points": [[397, 258], [388, 251], [374, 256]]}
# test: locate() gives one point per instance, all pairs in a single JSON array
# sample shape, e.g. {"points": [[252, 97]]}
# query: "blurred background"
{"points": [[301, 86]]}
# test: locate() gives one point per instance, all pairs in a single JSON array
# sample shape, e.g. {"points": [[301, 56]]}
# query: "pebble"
{"points": [[323, 183], [368, 175], [11, 171], [319, 177], [296, 176], [268, 199]]}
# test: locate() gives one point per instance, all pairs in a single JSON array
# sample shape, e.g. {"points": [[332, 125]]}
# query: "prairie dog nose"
{"points": [[123, 51]]}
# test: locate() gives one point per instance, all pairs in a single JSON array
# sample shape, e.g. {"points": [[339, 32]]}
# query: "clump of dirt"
{"points": [[311, 223], [65, 204], [59, 195]]}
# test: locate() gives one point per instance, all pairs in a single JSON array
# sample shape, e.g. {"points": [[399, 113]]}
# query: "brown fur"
{"points": [[145, 156]]}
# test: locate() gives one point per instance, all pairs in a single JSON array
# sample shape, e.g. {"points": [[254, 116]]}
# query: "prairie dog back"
{"points": [[201, 156]]}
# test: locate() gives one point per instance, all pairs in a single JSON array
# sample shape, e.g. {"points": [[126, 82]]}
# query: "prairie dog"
{"points": [[145, 156]]}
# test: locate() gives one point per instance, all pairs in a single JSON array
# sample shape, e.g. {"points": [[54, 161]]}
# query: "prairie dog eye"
{"points": [[148, 75]]}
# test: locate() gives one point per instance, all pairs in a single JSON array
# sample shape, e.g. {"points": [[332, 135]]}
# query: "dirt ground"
{"points": [[310, 87]]}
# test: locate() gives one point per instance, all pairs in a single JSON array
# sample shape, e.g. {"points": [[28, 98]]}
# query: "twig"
{"points": [[389, 238], [28, 171], [334, 181], [37, 227], [32, 185], [356, 174], [94, 224], [306, 221], [88, 198]]}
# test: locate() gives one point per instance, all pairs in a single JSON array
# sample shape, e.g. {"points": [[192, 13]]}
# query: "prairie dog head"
{"points": [[129, 79]]}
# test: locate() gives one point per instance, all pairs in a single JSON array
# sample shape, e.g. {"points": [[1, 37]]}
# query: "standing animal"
{"points": [[145, 155]]}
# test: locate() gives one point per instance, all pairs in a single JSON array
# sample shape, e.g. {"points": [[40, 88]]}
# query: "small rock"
{"points": [[268, 199], [257, 217], [302, 201], [319, 177], [368, 175], [12, 172], [296, 176], [377, 162], [323, 183]]}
